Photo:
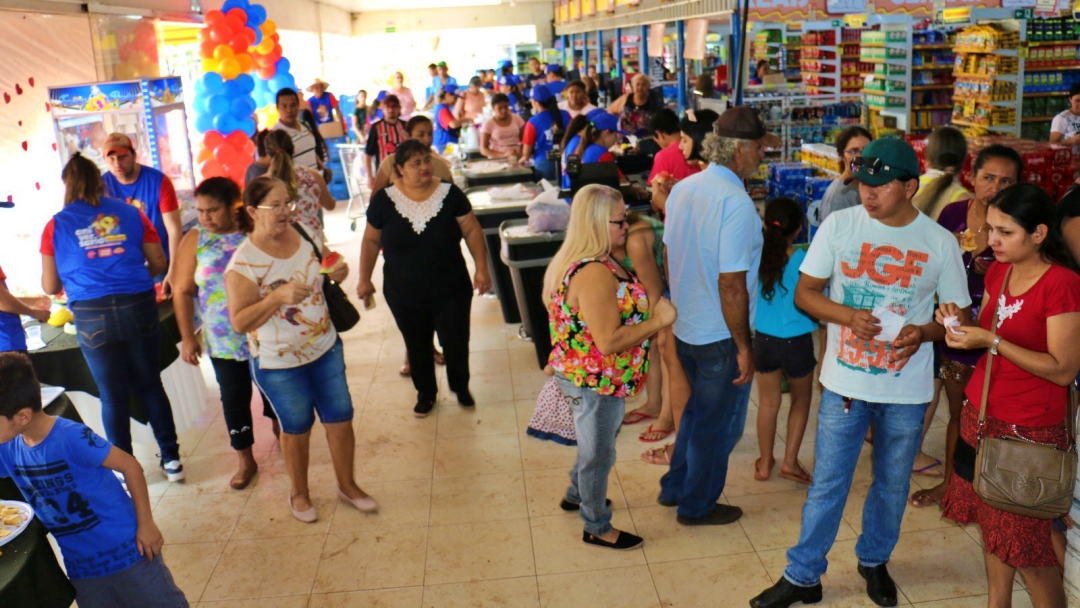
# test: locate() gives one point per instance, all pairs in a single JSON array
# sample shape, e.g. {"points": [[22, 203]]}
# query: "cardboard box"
{"points": [[330, 130]]}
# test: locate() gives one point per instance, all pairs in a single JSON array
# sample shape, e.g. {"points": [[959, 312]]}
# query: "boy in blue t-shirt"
{"points": [[65, 471]]}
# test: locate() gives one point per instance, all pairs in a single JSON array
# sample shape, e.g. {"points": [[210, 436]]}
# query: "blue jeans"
{"points": [[897, 434], [297, 393], [120, 338], [596, 420], [711, 426]]}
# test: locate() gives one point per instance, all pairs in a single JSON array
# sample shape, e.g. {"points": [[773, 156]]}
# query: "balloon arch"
{"points": [[243, 69]]}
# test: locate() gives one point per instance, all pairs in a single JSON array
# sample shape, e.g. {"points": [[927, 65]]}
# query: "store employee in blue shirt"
{"points": [[146, 189], [555, 82]]}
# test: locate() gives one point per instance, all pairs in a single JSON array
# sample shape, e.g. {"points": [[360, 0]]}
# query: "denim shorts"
{"points": [[793, 355], [298, 393], [144, 583]]}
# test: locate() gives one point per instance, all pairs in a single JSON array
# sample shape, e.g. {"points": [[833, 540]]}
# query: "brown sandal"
{"points": [[800, 477], [658, 455]]}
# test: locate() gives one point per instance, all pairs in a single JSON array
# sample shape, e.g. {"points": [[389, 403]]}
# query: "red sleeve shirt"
{"points": [[47, 239], [1016, 396], [445, 118], [528, 136], [150, 234], [168, 201]]}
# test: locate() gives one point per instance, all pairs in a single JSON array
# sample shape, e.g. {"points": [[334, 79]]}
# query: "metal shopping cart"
{"points": [[352, 164]]}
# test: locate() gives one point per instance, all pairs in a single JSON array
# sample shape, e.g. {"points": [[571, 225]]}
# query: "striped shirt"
{"points": [[303, 145], [383, 139]]}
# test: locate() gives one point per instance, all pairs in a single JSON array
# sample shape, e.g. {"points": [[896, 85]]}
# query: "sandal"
{"points": [[636, 417], [757, 467], [404, 370], [800, 477], [660, 434], [931, 470], [658, 455], [925, 498]]}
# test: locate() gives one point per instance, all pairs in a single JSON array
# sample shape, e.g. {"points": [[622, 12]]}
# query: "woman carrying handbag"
{"points": [[1033, 297]]}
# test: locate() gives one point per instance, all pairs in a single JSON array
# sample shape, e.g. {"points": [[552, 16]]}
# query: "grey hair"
{"points": [[641, 76], [720, 150]]}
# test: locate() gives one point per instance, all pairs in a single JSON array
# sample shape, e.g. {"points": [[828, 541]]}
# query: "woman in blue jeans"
{"points": [[274, 291], [597, 366], [103, 252]]}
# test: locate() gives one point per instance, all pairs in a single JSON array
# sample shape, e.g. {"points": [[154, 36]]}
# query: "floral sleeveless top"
{"points": [[575, 356], [307, 203], [211, 256]]}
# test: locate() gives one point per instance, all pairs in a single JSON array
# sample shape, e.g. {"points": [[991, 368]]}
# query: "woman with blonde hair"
{"points": [[598, 365], [305, 187], [946, 151]]}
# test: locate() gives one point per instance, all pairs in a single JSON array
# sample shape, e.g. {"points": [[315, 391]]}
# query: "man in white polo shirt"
{"points": [[288, 107]]}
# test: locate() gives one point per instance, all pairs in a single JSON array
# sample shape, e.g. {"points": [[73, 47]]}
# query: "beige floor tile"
{"points": [[394, 461], [293, 601], [546, 489], [216, 439], [559, 547], [402, 504], [539, 454], [265, 568], [527, 384], [505, 592], [460, 500], [1020, 599], [390, 396], [484, 419], [625, 587], [741, 482], [372, 559], [490, 362], [666, 540], [206, 474], [773, 521], [274, 480], [524, 410], [198, 518], [460, 456], [487, 338], [522, 359], [640, 481], [388, 369], [267, 515], [937, 565], [481, 551], [485, 389], [380, 427], [702, 582], [408, 597], [915, 518], [191, 566], [841, 585]]}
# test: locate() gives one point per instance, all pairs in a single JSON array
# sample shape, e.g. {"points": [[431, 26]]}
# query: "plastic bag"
{"points": [[547, 212]]}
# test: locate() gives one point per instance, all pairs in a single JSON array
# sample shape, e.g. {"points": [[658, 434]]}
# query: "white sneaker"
{"points": [[174, 471]]}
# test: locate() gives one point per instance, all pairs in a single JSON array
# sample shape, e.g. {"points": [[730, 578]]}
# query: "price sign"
{"points": [[855, 20]]}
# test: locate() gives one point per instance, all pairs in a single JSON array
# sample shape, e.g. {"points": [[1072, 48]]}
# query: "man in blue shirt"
{"points": [[555, 82], [713, 239]]}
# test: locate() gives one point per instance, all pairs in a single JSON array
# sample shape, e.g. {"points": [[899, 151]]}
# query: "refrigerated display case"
{"points": [[150, 111]]}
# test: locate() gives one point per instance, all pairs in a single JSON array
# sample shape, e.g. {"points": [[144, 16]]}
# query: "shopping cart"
{"points": [[352, 163]]}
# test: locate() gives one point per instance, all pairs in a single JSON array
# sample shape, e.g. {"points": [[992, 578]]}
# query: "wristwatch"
{"points": [[993, 347]]}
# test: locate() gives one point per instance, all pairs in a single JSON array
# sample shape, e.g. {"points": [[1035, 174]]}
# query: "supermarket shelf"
{"points": [[924, 108], [929, 68], [928, 47], [1037, 68], [1046, 94], [1005, 77], [876, 45], [1034, 43], [885, 108], [979, 51], [964, 123], [931, 87], [1037, 119]]}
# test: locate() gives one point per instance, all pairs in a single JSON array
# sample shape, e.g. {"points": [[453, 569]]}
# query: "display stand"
{"points": [[780, 48], [830, 60]]}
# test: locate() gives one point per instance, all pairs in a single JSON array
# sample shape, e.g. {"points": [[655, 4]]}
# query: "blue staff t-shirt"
{"points": [[323, 107], [540, 133], [79, 501], [12, 336], [98, 250], [556, 87], [152, 193], [779, 317]]}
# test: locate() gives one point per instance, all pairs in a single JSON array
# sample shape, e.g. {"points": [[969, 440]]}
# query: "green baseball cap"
{"points": [[441, 64], [884, 160]]}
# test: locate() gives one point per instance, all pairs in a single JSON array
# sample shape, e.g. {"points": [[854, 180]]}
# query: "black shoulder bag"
{"points": [[343, 314]]}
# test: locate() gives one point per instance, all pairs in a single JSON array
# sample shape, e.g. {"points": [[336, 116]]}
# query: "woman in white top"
{"points": [[275, 296], [404, 95]]}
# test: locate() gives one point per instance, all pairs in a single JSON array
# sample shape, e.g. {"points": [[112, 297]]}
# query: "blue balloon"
{"points": [[200, 90], [258, 32], [231, 90], [242, 107], [278, 82], [247, 126], [224, 123], [217, 105], [212, 82], [204, 123], [282, 66], [231, 4], [198, 104], [256, 15], [246, 83]]}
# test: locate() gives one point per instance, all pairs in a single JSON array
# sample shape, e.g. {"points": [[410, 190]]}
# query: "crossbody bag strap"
{"points": [[990, 354], [304, 235]]}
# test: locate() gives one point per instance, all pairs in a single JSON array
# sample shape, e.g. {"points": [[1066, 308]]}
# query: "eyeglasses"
{"points": [[622, 222], [873, 166], [853, 151], [278, 209]]}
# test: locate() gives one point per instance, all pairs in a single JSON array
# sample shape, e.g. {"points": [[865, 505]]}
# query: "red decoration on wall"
{"points": [[48, 108], [7, 98], [31, 81], [54, 147], [24, 146], [18, 89], [37, 185]]}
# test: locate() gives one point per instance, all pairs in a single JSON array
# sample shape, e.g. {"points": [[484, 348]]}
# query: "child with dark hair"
{"points": [[66, 472], [685, 160], [784, 341]]}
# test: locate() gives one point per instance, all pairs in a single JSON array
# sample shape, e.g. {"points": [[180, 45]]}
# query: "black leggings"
{"points": [[449, 317], [234, 378]]}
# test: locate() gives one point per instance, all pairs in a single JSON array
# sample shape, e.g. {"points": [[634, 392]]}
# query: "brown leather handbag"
{"points": [[1021, 476]]}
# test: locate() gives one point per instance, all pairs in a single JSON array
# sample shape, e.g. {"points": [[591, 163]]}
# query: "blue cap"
{"points": [[554, 68], [381, 96], [450, 88], [507, 81], [504, 63], [541, 94], [605, 121], [593, 113]]}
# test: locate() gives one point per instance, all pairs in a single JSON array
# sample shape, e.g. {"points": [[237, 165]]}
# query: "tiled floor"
{"points": [[469, 513]]}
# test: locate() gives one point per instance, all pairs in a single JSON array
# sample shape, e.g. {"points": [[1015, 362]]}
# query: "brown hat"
{"points": [[116, 141], [318, 81], [744, 122]]}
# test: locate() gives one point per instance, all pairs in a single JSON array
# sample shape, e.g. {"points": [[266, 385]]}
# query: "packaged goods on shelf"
{"points": [[822, 156], [1052, 29], [1047, 165], [985, 38]]}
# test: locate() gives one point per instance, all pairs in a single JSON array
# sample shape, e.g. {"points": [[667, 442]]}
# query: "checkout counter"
{"points": [[492, 206]]}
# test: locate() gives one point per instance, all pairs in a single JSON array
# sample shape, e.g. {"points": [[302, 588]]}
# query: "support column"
{"points": [[680, 63], [617, 51], [643, 51], [584, 53]]}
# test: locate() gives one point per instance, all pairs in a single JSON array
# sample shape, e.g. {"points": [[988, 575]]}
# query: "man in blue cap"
{"points": [[885, 265], [555, 82]]}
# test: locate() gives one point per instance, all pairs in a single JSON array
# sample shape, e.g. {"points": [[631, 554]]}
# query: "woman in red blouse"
{"points": [[1038, 320]]}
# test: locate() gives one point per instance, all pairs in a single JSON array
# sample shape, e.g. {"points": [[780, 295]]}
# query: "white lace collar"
{"points": [[418, 214]]}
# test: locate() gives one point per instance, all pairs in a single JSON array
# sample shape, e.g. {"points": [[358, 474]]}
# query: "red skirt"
{"points": [[1019, 541]]}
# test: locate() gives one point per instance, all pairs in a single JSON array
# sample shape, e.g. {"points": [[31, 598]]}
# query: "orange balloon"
{"points": [[223, 51], [268, 27], [204, 155], [244, 60], [229, 68]]}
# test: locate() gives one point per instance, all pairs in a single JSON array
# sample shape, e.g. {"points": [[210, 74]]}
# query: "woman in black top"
{"points": [[419, 222]]}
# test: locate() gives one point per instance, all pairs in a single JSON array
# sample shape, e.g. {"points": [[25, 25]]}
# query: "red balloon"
{"points": [[212, 139], [220, 33], [266, 73], [249, 148], [239, 44], [239, 14], [235, 23], [237, 139], [206, 48], [225, 154], [274, 55], [211, 168], [213, 17]]}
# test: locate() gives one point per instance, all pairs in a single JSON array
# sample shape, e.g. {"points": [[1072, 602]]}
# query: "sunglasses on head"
{"points": [[873, 166]]}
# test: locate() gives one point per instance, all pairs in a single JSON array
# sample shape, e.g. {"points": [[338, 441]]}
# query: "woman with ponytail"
{"points": [[305, 187], [946, 152], [591, 141], [784, 342], [542, 131]]}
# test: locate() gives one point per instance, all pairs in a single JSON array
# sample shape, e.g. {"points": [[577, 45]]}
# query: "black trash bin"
{"points": [[492, 213], [527, 254]]}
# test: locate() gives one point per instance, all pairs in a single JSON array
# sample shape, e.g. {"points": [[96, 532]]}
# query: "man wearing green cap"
{"points": [[441, 78], [884, 263]]}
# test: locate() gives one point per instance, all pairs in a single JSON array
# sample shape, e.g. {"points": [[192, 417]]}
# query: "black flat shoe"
{"points": [[721, 515], [879, 585], [784, 593], [465, 399], [666, 503], [625, 542], [424, 405], [566, 505]]}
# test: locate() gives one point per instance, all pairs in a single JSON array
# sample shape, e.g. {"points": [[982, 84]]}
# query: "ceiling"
{"points": [[362, 6]]}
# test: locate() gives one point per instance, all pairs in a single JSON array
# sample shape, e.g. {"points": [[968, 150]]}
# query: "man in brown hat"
{"points": [[713, 239], [323, 104]]}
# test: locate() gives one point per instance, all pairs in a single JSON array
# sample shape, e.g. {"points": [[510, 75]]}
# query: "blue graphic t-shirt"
{"points": [[540, 132], [98, 250], [778, 316], [12, 336], [79, 501], [152, 193], [323, 107]]}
